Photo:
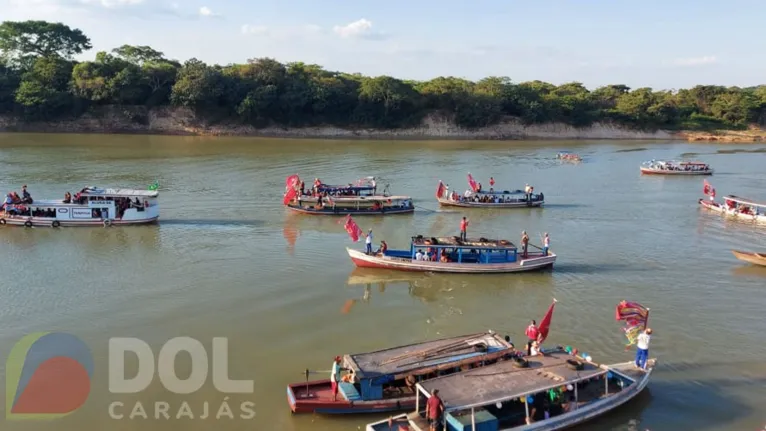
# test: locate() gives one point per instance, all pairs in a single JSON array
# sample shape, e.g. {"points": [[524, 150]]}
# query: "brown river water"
{"points": [[220, 264]]}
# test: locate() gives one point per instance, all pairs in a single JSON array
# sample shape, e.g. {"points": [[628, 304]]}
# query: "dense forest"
{"points": [[39, 80]]}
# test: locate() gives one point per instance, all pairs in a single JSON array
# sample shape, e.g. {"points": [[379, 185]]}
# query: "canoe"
{"points": [[381, 375], [496, 397], [750, 257]]}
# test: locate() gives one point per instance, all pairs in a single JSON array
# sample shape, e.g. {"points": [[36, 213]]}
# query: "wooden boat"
{"points": [[569, 157], [674, 167], [738, 208], [750, 257], [360, 198], [381, 376], [504, 395], [489, 199], [92, 206], [472, 256]]}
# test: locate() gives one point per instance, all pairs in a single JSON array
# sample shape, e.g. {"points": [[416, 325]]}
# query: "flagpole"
{"points": [[646, 321]]}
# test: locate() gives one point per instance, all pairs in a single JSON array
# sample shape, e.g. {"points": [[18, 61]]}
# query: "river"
{"points": [[227, 260]]}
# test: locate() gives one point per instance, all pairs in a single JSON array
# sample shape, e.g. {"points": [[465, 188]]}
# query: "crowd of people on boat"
{"points": [[680, 167], [492, 196]]}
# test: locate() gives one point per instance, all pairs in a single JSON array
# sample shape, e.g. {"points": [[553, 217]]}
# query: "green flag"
{"points": [[154, 186]]}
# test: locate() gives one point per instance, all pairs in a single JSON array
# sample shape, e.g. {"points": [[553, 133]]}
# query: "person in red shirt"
{"points": [[463, 228], [434, 410], [531, 331], [491, 181]]}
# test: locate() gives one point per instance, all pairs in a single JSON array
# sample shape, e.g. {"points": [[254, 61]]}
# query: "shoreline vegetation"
{"points": [[136, 89]]}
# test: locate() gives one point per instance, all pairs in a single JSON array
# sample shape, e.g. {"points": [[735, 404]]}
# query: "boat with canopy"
{"points": [[358, 198], [675, 167], [385, 380], [479, 197], [453, 255], [750, 257], [734, 206], [550, 392], [91, 206]]}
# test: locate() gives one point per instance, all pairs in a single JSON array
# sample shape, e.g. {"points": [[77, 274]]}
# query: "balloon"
{"points": [[568, 349], [589, 358], [570, 387], [574, 351], [609, 375], [499, 405], [530, 399], [584, 355], [563, 389]]}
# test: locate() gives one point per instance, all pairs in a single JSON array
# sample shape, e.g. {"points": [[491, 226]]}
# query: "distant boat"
{"points": [[452, 255], [570, 157], [381, 377], [359, 198], [674, 167], [750, 257], [500, 397]]}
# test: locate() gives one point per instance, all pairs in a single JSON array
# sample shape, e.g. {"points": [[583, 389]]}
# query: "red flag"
{"points": [[292, 181], [289, 195], [545, 324], [472, 183], [352, 228], [706, 188], [440, 190]]}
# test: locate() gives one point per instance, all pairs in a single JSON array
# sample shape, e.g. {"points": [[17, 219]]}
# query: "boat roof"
{"points": [[744, 201], [403, 359], [358, 198], [365, 183], [677, 162], [500, 192], [97, 191], [453, 241], [503, 381]]}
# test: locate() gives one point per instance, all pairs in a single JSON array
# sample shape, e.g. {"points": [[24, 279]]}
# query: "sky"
{"points": [[660, 44]]}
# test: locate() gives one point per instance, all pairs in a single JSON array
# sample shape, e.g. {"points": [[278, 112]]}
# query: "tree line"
{"points": [[39, 80]]}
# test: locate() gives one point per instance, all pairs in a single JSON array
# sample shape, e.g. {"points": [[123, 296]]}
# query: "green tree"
{"points": [[23, 41]]}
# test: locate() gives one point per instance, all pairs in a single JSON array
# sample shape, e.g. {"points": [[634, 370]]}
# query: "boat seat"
{"points": [[349, 391]]}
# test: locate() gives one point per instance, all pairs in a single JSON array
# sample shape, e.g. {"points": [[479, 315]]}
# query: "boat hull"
{"points": [[522, 204], [320, 401], [564, 421], [650, 171], [716, 207], [534, 263], [351, 211], [750, 257], [49, 222]]}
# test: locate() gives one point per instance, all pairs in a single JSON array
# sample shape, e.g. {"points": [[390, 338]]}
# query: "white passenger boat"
{"points": [[674, 167], [92, 206], [359, 198], [738, 208], [551, 392]]}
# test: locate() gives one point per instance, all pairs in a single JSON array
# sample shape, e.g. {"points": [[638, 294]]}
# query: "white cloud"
{"points": [[696, 61], [361, 29], [255, 29], [206, 11]]}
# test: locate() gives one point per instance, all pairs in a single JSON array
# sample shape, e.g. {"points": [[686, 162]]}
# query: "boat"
{"points": [[675, 167], [359, 198], [92, 206], [453, 255], [736, 207], [491, 198], [569, 157], [750, 257], [381, 377], [504, 396]]}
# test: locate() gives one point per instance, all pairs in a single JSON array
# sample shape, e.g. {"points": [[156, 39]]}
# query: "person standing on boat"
{"points": [[546, 244], [335, 377], [434, 410], [463, 229], [642, 348], [532, 332], [25, 196], [491, 181], [368, 241], [524, 244]]}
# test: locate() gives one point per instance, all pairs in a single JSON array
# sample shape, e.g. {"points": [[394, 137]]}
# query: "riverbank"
{"points": [[182, 121]]}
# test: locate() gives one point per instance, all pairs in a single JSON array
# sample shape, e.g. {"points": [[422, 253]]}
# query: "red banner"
{"points": [[292, 181], [472, 183], [352, 228], [545, 324], [290, 194], [440, 190]]}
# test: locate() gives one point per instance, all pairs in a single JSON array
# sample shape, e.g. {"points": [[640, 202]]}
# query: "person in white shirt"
{"points": [[546, 244], [642, 348], [368, 242], [419, 255]]}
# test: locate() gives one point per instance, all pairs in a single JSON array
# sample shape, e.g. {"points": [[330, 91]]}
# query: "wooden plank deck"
{"points": [[505, 381], [402, 359]]}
